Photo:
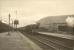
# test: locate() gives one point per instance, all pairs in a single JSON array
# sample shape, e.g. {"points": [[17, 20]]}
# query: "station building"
{"points": [[55, 23]]}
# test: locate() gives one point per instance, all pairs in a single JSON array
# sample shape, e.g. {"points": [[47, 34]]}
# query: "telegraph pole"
{"points": [[9, 24], [0, 19], [12, 29]]}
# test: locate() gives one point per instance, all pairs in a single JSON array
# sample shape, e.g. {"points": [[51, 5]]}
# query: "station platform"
{"points": [[16, 41], [60, 35]]}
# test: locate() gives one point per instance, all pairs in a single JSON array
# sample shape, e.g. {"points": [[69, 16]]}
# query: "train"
{"points": [[33, 29]]}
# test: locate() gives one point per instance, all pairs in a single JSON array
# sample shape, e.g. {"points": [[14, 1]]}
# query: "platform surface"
{"points": [[16, 41], [66, 36]]}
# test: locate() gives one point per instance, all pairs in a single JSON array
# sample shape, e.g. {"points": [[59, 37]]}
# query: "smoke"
{"points": [[70, 21]]}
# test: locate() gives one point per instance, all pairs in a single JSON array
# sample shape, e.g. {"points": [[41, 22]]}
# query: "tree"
{"points": [[70, 22]]}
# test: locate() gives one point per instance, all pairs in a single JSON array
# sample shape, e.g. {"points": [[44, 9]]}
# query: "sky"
{"points": [[30, 11]]}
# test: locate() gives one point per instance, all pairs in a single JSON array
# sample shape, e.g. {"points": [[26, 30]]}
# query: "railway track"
{"points": [[50, 43], [57, 45], [69, 43], [40, 43]]}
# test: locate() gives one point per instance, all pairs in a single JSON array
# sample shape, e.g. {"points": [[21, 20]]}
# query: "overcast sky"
{"points": [[30, 11]]}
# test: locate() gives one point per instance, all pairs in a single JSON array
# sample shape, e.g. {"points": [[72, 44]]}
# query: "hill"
{"points": [[4, 27]]}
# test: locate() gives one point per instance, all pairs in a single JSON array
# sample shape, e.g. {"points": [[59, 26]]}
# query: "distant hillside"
{"points": [[4, 27]]}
